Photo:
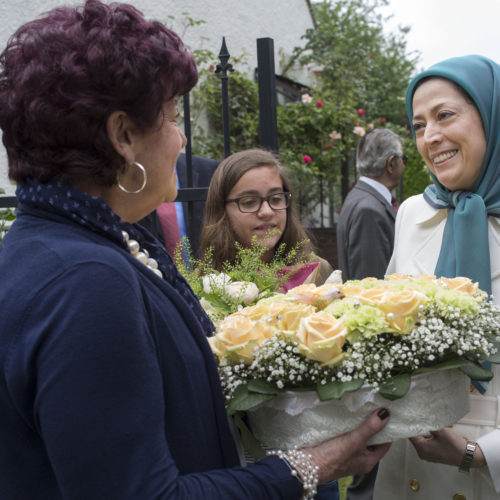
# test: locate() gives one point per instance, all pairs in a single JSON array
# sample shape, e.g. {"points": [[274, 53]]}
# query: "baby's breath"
{"points": [[437, 336]]}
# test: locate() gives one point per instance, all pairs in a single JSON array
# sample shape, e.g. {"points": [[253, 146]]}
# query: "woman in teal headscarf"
{"points": [[453, 229]]}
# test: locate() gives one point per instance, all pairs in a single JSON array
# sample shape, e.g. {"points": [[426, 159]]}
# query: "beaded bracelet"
{"points": [[301, 464]]}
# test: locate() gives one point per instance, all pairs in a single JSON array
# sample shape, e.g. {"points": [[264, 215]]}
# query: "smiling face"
{"points": [[260, 181], [449, 134]]}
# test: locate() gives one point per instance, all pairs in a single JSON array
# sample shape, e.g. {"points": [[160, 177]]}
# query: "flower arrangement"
{"points": [[244, 281], [335, 338]]}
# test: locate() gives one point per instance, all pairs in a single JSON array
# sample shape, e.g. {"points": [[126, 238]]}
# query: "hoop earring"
{"points": [[145, 179]]}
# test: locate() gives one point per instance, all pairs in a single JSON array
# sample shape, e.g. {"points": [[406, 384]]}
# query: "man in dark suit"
{"points": [[365, 230], [176, 219]]}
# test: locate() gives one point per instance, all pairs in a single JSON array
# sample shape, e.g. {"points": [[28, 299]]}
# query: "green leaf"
{"points": [[477, 372], [395, 387], [262, 387], [445, 365], [249, 441], [335, 390], [305, 388], [243, 399]]}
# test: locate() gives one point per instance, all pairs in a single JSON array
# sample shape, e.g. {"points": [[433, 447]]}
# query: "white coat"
{"points": [[402, 474]]}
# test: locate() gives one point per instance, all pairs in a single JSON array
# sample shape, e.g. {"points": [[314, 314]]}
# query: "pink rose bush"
{"points": [[358, 130]]}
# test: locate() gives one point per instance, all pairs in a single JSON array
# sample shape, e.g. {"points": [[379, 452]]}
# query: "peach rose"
{"points": [[359, 131], [461, 284], [355, 287], [321, 337], [427, 277], [290, 316], [398, 277], [255, 312], [431, 278], [349, 290], [283, 314], [238, 336], [399, 306], [317, 296]]}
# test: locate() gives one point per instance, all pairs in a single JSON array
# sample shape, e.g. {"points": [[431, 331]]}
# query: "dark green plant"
{"points": [[416, 176], [356, 57], [7, 216], [243, 111], [362, 74], [268, 277]]}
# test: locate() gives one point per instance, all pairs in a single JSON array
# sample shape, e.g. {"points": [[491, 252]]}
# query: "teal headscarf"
{"points": [[465, 249]]}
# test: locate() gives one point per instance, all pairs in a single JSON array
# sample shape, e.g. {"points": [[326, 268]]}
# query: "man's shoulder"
{"points": [[362, 196], [202, 170], [197, 162]]}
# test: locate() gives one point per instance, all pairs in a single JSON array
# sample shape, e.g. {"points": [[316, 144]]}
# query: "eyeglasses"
{"points": [[250, 204], [404, 158]]}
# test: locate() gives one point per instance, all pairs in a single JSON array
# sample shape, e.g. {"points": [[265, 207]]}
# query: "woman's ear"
{"points": [[119, 128]]}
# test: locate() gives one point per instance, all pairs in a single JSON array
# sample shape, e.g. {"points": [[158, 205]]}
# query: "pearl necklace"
{"points": [[141, 255]]}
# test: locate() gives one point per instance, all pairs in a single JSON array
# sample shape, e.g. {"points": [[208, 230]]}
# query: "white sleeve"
{"points": [[490, 446]]}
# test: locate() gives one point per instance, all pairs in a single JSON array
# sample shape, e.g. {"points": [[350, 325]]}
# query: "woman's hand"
{"points": [[349, 453], [445, 447]]}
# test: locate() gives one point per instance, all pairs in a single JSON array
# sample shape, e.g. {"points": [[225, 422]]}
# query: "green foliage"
{"points": [[7, 216], [395, 387], [246, 398], [308, 148], [248, 266], [269, 277], [360, 67], [358, 58], [336, 389], [357, 66], [416, 176], [243, 112], [318, 138]]}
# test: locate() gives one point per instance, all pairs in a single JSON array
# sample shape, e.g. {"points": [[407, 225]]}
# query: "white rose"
{"points": [[243, 291], [211, 281]]}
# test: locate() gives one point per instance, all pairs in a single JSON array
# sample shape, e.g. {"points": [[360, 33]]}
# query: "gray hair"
{"points": [[374, 149]]}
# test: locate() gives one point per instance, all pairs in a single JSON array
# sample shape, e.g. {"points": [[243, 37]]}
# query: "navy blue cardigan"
{"points": [[108, 388]]}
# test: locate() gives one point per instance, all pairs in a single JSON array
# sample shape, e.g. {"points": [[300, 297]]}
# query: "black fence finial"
{"points": [[224, 67]]}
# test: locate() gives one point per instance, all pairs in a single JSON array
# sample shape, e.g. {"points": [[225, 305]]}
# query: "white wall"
{"points": [[240, 21]]}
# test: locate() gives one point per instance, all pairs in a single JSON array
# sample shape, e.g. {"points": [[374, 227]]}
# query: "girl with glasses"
{"points": [[251, 196]]}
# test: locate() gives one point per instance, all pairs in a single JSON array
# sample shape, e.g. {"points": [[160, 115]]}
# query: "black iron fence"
{"points": [[267, 110], [8, 202], [267, 117]]}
